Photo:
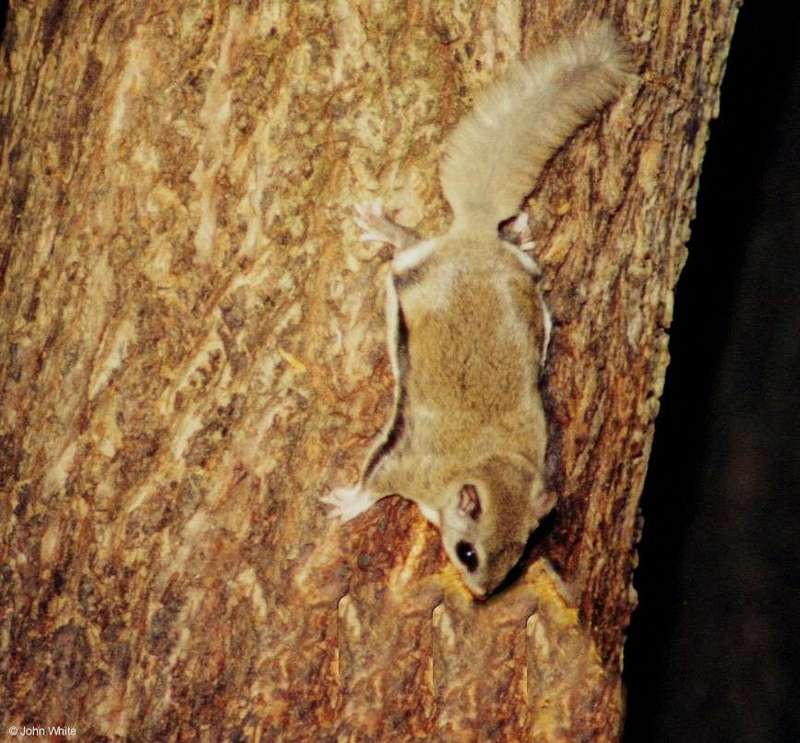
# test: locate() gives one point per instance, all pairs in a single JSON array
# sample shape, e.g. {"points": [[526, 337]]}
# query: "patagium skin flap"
{"points": [[468, 329]]}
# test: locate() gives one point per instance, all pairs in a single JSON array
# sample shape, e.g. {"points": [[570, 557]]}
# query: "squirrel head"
{"points": [[488, 516]]}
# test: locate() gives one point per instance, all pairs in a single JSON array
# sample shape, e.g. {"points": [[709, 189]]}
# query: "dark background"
{"points": [[714, 648], [713, 651]]}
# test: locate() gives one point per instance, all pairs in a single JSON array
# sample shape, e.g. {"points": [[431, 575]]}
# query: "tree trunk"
{"points": [[192, 350]]}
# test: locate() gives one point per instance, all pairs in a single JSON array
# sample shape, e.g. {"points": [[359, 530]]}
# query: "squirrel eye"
{"points": [[468, 555]]}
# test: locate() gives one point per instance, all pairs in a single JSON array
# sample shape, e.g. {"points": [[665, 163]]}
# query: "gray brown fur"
{"points": [[467, 325]]}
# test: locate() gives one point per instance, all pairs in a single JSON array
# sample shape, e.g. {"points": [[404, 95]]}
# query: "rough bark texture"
{"points": [[191, 351]]}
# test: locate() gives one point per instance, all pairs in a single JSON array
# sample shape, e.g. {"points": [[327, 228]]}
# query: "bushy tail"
{"points": [[495, 154]]}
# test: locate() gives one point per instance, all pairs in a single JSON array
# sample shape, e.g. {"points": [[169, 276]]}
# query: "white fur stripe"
{"points": [[413, 257]]}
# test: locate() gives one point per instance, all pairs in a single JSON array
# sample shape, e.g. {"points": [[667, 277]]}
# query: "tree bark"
{"points": [[192, 350]]}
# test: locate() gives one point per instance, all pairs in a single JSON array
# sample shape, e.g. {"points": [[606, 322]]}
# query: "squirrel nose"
{"points": [[479, 594]]}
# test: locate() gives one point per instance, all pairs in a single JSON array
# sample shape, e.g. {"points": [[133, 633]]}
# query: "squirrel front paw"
{"points": [[375, 226], [347, 503]]}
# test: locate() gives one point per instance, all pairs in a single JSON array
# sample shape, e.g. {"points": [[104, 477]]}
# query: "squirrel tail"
{"points": [[495, 154]]}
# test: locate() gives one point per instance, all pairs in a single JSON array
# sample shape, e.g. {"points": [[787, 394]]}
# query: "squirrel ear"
{"points": [[469, 502], [542, 505]]}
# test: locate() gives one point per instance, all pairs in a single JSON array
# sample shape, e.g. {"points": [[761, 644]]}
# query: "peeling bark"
{"points": [[191, 351]]}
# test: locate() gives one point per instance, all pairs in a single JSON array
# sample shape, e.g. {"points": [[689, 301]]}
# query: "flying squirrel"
{"points": [[468, 329]]}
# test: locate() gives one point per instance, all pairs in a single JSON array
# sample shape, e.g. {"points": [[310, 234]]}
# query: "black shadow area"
{"points": [[711, 652]]}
